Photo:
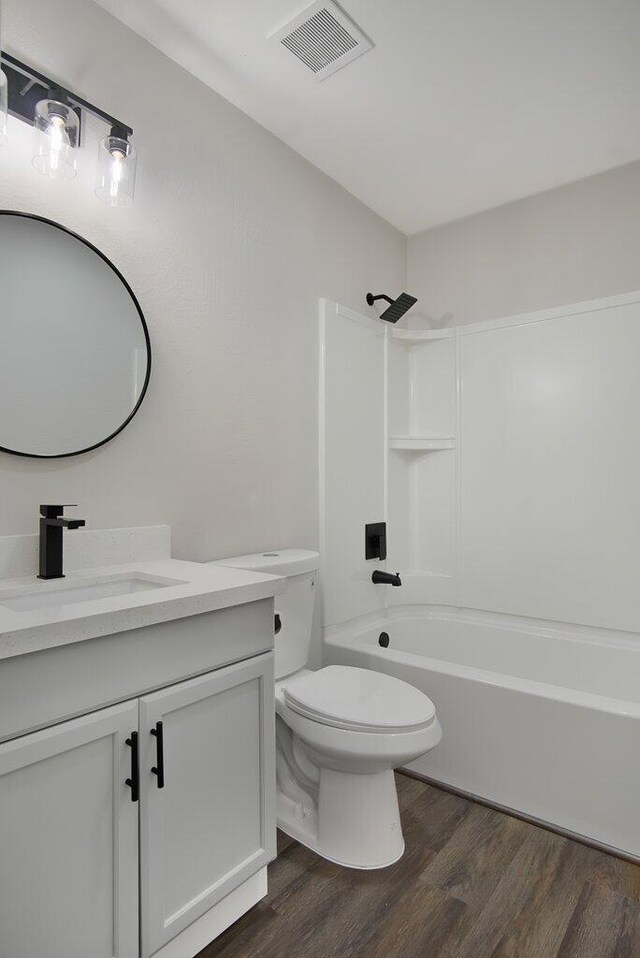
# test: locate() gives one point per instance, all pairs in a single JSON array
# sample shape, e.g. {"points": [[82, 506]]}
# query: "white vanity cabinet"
{"points": [[212, 824], [99, 858], [69, 840]]}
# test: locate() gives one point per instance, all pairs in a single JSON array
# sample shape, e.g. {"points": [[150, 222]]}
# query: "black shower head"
{"points": [[397, 308]]}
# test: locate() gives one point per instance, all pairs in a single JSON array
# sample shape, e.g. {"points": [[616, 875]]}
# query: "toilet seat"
{"points": [[359, 700]]}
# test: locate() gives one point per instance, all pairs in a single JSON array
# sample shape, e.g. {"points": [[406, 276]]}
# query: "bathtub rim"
{"points": [[346, 635]]}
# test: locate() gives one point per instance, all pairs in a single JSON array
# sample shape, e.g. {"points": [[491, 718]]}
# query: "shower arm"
{"points": [[371, 298]]}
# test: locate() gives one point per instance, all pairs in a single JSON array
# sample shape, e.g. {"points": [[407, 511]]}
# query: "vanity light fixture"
{"points": [[56, 115]]}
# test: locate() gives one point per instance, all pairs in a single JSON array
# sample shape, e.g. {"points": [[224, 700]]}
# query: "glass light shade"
{"points": [[116, 176], [4, 96], [57, 134]]}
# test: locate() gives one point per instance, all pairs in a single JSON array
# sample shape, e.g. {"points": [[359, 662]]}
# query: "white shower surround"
{"points": [[539, 718], [497, 552], [504, 457], [533, 514]]}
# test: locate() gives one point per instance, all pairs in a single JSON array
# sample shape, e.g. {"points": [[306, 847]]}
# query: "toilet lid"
{"points": [[359, 699]]}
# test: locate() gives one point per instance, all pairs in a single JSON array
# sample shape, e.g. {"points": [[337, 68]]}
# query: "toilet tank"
{"points": [[294, 607]]}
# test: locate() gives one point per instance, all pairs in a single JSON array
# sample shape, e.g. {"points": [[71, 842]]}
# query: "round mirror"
{"points": [[75, 356]]}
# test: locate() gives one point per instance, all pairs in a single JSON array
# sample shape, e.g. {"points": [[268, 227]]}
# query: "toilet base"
{"points": [[354, 822]]}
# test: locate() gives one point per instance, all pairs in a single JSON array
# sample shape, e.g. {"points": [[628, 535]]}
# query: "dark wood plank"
{"points": [[477, 854], [538, 927], [288, 876], [617, 875], [522, 889], [604, 925], [439, 814], [423, 922], [408, 789]]}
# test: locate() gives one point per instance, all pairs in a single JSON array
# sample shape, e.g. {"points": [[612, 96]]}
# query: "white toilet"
{"points": [[340, 732]]}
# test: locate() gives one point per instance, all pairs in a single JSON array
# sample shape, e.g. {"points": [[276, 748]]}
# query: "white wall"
{"points": [[574, 243], [231, 241]]}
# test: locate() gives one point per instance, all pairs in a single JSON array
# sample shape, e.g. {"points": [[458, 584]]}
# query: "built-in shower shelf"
{"points": [[421, 443], [414, 337]]}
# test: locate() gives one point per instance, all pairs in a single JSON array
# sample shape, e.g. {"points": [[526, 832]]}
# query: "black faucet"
{"points": [[51, 525], [385, 578]]}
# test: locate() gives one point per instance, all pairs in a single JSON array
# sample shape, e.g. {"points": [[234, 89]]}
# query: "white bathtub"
{"points": [[537, 717]]}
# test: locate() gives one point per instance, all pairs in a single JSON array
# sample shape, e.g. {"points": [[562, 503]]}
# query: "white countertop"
{"points": [[201, 588]]}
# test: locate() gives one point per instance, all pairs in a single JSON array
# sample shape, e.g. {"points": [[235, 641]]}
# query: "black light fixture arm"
{"points": [[22, 97]]}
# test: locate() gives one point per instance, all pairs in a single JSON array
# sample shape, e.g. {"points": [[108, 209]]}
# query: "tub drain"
{"points": [[383, 640]]}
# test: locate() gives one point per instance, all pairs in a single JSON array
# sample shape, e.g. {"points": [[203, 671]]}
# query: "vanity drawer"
{"points": [[42, 688]]}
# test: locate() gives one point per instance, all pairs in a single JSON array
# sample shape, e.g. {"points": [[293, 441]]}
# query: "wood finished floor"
{"points": [[473, 883]]}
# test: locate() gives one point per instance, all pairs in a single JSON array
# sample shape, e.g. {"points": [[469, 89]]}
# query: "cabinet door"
{"points": [[69, 841], [212, 823]]}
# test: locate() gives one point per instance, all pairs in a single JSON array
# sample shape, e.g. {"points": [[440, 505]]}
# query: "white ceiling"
{"points": [[462, 104]]}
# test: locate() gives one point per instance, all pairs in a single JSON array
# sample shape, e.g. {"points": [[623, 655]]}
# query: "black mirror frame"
{"points": [[80, 452]]}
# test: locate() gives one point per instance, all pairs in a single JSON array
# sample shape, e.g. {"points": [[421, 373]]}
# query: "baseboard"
{"points": [[514, 813]]}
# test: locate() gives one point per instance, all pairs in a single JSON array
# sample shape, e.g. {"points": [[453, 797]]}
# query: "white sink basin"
{"points": [[49, 595]]}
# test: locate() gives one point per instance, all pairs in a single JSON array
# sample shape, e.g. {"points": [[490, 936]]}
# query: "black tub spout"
{"points": [[386, 578]]}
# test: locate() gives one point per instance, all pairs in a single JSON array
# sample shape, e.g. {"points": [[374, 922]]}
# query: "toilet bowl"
{"points": [[340, 733], [345, 750]]}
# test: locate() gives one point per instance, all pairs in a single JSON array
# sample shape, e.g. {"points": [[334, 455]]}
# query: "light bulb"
{"points": [[57, 134], [116, 172], [59, 139]]}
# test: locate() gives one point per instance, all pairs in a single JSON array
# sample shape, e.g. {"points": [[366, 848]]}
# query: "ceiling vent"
{"points": [[323, 37]]}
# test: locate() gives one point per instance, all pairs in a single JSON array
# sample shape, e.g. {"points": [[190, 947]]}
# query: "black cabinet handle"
{"points": [[134, 781], [158, 768]]}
